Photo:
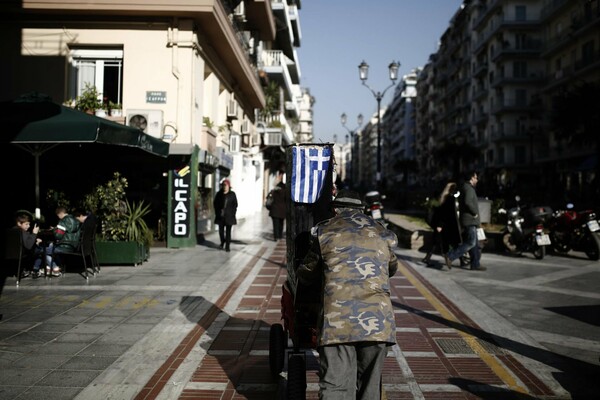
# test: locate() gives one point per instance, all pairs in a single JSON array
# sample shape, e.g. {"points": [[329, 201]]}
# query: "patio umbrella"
{"points": [[36, 124]]}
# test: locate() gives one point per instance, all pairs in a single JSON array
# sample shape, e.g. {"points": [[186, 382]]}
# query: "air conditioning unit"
{"points": [[255, 139], [272, 139], [245, 128], [232, 109], [240, 11], [149, 121], [235, 143]]}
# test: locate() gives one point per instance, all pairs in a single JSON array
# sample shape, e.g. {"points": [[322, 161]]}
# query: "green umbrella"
{"points": [[36, 124]]}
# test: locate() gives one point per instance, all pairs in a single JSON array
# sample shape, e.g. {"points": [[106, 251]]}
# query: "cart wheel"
{"points": [[277, 345], [296, 382]]}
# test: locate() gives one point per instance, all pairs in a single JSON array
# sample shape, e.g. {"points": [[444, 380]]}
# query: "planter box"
{"points": [[121, 253]]}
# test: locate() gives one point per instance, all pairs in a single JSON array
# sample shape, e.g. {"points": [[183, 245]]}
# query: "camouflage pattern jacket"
{"points": [[357, 261]]}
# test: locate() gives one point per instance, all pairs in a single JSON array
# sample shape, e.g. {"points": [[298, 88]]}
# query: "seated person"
{"points": [[31, 243], [66, 235], [85, 218]]}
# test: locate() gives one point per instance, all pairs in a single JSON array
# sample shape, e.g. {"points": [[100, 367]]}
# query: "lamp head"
{"points": [[393, 67], [363, 70], [359, 119], [344, 118]]}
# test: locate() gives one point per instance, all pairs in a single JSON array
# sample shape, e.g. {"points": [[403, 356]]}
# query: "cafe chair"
{"points": [[13, 252], [84, 248]]}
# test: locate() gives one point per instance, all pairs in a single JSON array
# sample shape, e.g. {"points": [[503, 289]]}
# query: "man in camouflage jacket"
{"points": [[353, 254]]}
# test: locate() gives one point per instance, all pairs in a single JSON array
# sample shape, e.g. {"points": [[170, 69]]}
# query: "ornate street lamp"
{"points": [[363, 71], [359, 122]]}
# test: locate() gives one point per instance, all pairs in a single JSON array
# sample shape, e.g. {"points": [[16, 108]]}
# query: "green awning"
{"points": [[73, 126], [37, 124]]}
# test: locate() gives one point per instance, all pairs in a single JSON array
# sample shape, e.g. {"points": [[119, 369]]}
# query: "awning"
{"points": [[44, 122], [36, 124]]}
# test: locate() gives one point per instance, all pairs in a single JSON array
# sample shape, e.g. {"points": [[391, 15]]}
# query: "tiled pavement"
{"points": [[196, 326], [442, 354]]}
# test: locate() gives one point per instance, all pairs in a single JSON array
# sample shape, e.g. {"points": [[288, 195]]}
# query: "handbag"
{"points": [[481, 234], [269, 201]]}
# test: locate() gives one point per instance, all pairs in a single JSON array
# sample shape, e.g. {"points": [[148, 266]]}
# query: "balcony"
{"points": [[285, 37], [531, 79], [513, 105], [531, 48], [280, 69]]}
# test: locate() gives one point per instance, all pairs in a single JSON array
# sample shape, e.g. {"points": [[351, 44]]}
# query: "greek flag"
{"points": [[309, 169]]}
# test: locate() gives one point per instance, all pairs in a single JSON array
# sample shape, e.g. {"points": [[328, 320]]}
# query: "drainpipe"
{"points": [[175, 44]]}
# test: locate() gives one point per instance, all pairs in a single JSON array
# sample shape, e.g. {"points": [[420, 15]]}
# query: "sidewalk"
{"points": [[194, 324]]}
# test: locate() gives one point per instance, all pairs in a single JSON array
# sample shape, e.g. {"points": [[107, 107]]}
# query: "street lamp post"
{"points": [[359, 122], [363, 71]]}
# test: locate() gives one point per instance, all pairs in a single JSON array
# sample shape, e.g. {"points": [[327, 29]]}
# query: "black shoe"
{"points": [[447, 261], [221, 246], [227, 249], [480, 268]]}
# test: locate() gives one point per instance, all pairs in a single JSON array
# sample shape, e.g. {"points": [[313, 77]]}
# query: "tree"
{"points": [[456, 153], [576, 118]]}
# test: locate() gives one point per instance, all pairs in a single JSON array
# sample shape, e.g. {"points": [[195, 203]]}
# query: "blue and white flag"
{"points": [[309, 170]]}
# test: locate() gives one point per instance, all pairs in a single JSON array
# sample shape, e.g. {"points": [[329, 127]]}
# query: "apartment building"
{"points": [[218, 80], [399, 147], [486, 99]]}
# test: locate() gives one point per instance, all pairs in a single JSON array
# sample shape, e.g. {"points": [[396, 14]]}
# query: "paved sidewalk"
{"points": [[194, 324]]}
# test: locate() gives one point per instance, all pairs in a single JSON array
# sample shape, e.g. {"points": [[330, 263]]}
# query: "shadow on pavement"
{"points": [[228, 349], [488, 392], [578, 377]]}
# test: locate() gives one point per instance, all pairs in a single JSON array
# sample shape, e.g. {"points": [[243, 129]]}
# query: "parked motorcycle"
{"points": [[524, 231], [575, 230], [374, 206]]}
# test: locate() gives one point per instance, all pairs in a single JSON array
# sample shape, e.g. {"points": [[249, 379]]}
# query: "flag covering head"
{"points": [[309, 170]]}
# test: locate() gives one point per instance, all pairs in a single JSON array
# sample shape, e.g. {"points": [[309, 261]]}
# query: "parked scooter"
{"points": [[374, 206], [524, 231], [575, 230]]}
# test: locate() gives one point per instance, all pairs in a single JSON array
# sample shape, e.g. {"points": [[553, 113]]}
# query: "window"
{"points": [[520, 69], [520, 155], [521, 97], [520, 13], [587, 52], [102, 68]]}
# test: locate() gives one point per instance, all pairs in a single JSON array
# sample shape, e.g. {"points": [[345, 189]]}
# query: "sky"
{"points": [[337, 35]]}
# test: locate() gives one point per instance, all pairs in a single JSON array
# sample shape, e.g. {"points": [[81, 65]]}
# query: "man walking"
{"points": [[352, 255], [469, 220]]}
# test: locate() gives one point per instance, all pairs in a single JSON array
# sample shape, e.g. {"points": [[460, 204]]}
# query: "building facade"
{"points": [[498, 95], [218, 80]]}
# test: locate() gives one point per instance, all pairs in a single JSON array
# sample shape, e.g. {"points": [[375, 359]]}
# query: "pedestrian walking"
{"points": [[444, 222], [278, 209], [470, 221], [353, 256], [225, 210]]}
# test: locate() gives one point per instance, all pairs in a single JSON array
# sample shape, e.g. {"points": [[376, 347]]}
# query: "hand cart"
{"points": [[300, 304]]}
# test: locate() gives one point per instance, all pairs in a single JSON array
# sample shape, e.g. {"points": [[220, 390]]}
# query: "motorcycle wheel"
{"points": [[558, 244], [508, 243], [592, 246], [539, 251]]}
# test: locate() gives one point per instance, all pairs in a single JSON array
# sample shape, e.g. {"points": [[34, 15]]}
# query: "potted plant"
{"points": [[124, 238], [116, 110], [89, 100]]}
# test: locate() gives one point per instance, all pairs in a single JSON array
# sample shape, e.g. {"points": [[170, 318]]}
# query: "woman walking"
{"points": [[225, 210], [444, 222]]}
